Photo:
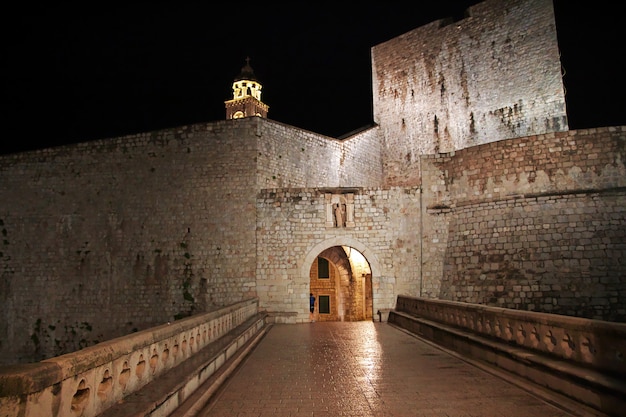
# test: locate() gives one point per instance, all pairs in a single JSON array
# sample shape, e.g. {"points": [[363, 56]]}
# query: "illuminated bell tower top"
{"points": [[246, 100]]}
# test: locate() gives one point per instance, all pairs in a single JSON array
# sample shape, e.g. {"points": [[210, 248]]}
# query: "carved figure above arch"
{"points": [[339, 210]]}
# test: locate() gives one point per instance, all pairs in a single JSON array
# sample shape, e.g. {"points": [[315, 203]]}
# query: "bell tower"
{"points": [[246, 100]]}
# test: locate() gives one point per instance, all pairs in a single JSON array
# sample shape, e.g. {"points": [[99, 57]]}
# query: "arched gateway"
{"points": [[342, 274]]}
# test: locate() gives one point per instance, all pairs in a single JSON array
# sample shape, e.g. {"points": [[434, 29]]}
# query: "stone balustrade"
{"points": [[87, 382], [580, 358], [599, 344]]}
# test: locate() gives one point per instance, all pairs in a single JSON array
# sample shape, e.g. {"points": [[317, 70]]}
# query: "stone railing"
{"points": [[580, 358], [89, 381]]}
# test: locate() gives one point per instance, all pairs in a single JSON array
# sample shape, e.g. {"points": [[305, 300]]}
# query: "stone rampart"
{"points": [[289, 157], [149, 228], [134, 226], [535, 223], [449, 85]]}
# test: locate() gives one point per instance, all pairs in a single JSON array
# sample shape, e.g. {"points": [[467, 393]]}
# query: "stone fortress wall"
{"points": [[448, 85], [107, 237], [103, 238], [534, 223], [147, 228]]}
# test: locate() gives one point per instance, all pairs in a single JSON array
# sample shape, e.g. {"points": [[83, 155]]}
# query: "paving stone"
{"points": [[366, 369]]}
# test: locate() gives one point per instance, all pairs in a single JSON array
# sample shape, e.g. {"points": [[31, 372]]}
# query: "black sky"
{"points": [[75, 73]]}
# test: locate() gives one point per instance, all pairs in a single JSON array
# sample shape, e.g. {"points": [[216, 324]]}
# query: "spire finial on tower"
{"points": [[247, 73]]}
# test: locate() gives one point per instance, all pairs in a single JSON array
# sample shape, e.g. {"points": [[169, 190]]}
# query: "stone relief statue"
{"points": [[339, 210], [340, 218]]}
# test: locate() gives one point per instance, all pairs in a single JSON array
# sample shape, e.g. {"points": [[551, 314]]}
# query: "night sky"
{"points": [[80, 72]]}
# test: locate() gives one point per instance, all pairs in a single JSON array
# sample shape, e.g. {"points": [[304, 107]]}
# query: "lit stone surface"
{"points": [[365, 369]]}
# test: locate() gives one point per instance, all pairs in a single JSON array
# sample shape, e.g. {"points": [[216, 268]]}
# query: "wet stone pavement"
{"points": [[365, 369]]}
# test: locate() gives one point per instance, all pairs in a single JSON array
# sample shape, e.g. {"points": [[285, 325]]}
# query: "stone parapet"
{"points": [[580, 358], [89, 381]]}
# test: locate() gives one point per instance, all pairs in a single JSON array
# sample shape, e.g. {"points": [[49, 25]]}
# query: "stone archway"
{"points": [[346, 292]]}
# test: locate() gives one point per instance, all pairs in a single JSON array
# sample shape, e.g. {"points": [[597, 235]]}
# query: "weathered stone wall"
{"points": [[291, 157], [449, 85], [107, 237], [146, 228], [361, 161], [535, 223]]}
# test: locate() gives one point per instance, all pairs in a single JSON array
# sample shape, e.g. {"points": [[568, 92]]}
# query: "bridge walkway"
{"points": [[369, 369]]}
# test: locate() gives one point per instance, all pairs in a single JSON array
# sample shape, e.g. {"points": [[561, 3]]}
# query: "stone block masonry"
{"points": [[556, 254], [147, 228], [469, 187], [292, 231], [106, 238], [535, 223], [449, 85]]}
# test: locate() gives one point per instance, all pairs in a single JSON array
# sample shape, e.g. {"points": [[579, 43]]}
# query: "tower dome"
{"points": [[246, 100]]}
